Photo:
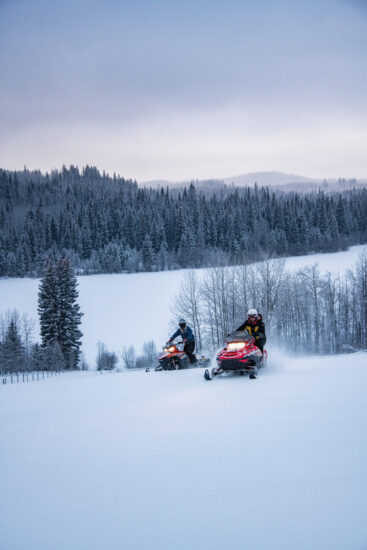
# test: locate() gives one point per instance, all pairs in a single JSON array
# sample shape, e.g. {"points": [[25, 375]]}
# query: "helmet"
{"points": [[182, 323], [251, 312]]}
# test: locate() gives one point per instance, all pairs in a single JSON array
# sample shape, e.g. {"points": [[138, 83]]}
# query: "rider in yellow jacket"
{"points": [[255, 326]]}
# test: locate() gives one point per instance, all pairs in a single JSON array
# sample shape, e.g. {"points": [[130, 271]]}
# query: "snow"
{"points": [[148, 461], [129, 309]]}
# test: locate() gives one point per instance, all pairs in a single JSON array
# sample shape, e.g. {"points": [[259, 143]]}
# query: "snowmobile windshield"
{"points": [[238, 336]]}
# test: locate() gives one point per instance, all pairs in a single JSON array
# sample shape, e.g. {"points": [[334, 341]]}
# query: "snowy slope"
{"points": [[129, 309], [148, 461]]}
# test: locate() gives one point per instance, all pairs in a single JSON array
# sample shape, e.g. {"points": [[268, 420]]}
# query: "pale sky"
{"points": [[185, 89]]}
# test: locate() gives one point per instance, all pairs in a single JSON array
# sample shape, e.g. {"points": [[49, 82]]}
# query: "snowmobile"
{"points": [[174, 358], [240, 355]]}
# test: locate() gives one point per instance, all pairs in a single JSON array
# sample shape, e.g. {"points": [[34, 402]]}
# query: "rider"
{"points": [[255, 326], [188, 338]]}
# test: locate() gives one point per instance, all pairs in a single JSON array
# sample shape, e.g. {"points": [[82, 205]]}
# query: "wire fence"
{"points": [[15, 377], [19, 377]]}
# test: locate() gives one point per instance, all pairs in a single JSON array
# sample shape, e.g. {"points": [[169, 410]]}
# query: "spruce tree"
{"points": [[59, 311], [341, 217], [69, 315], [148, 253], [12, 352], [48, 305]]}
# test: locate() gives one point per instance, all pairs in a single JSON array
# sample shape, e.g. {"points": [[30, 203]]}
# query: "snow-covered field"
{"points": [[156, 461], [129, 309], [162, 461]]}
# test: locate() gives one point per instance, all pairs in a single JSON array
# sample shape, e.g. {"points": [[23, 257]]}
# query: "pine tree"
{"points": [[148, 253], [162, 255], [293, 235], [341, 217], [59, 311], [48, 305], [12, 352], [69, 315]]}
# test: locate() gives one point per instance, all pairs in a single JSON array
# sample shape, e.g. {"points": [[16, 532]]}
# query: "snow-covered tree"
{"points": [[59, 311], [12, 352]]}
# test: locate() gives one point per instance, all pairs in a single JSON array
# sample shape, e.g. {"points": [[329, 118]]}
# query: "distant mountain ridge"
{"points": [[269, 178], [274, 179]]}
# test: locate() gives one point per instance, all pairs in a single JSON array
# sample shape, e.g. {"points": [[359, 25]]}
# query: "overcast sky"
{"points": [[185, 89]]}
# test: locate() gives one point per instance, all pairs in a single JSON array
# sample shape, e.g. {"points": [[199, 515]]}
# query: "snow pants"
{"points": [[189, 350], [260, 343]]}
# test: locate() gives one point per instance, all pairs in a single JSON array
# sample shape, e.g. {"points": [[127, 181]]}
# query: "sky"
{"points": [[185, 89]]}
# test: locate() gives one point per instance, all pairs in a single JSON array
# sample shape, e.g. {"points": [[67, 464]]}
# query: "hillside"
{"points": [[110, 225]]}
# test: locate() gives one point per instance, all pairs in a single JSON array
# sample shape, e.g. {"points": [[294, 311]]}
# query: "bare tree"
{"points": [[187, 303], [26, 325], [150, 352], [310, 277], [106, 360], [269, 278], [212, 306], [360, 270], [128, 357]]}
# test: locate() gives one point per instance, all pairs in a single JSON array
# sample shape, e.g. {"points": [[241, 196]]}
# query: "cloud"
{"points": [[202, 144], [151, 88]]}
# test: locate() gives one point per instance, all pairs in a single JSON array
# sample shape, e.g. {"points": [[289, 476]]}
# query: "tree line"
{"points": [[304, 311], [109, 225]]}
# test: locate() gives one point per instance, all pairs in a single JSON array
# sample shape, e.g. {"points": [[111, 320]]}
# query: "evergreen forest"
{"points": [[108, 224]]}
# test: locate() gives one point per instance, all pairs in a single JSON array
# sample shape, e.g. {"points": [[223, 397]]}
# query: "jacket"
{"points": [[255, 329], [187, 335]]}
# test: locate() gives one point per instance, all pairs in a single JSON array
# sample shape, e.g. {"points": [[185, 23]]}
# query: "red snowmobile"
{"points": [[174, 358], [240, 355]]}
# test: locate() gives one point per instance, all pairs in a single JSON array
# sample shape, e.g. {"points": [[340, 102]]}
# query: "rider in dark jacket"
{"points": [[255, 326], [188, 338]]}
